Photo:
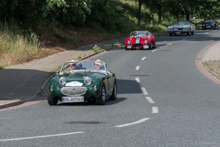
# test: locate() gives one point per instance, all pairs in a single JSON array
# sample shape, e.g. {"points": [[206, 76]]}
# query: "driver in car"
{"points": [[71, 66]]}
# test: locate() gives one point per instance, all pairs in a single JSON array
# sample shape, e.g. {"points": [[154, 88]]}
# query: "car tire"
{"points": [[155, 44], [101, 100], [188, 33], [215, 27], [171, 34], [126, 48], [192, 32], [52, 101], [114, 92], [150, 46]]}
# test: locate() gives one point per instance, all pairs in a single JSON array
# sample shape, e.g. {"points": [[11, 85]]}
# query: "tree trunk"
{"points": [[139, 13], [187, 17], [160, 13], [177, 16]]}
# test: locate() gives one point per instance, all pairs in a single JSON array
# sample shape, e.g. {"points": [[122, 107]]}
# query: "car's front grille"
{"points": [[180, 28], [73, 90], [137, 45]]}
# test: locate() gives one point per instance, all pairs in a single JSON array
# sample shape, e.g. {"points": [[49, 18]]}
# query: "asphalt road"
{"points": [[163, 101]]}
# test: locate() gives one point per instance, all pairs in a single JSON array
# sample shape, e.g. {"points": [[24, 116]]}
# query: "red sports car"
{"points": [[140, 40]]}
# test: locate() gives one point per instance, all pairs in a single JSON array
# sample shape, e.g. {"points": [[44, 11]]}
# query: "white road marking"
{"points": [[136, 122], [150, 100], [144, 91], [206, 33], [154, 50], [169, 43], [137, 68], [155, 110], [143, 58], [137, 79], [14, 139]]}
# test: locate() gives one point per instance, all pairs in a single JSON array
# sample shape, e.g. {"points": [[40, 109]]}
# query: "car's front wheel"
{"points": [[126, 48], [52, 101], [171, 34], [101, 100], [192, 32], [188, 33], [150, 46], [155, 44], [114, 92]]}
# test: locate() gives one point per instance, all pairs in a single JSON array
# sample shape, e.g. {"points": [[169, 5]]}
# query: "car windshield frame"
{"points": [[83, 66], [209, 20], [182, 22], [140, 33]]}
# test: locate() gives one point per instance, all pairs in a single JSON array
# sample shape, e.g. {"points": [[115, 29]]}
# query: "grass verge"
{"points": [[213, 67]]}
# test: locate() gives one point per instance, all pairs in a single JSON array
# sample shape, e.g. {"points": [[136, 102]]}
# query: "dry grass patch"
{"points": [[213, 67]]}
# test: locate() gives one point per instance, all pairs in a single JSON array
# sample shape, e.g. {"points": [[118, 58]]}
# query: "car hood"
{"points": [[177, 26], [137, 39]]}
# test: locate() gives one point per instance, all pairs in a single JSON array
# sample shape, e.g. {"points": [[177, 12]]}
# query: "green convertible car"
{"points": [[81, 81]]}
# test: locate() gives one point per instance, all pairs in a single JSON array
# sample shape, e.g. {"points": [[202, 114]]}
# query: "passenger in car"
{"points": [[98, 66]]}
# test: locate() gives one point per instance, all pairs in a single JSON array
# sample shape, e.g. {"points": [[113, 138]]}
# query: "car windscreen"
{"points": [[209, 20], [140, 33], [83, 66]]}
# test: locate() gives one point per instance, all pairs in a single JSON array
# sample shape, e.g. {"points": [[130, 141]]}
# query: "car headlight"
{"points": [[145, 42], [87, 80], [62, 81], [129, 42]]}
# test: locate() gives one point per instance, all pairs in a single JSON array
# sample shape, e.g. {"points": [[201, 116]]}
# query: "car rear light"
{"points": [[51, 90]]}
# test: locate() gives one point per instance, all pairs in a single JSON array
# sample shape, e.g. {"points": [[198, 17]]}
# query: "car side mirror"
{"points": [[108, 75], [58, 72]]}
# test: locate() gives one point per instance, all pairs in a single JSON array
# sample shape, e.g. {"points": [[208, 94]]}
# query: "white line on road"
{"points": [[155, 110], [143, 58], [169, 43], [136, 122], [150, 100], [137, 68], [137, 79], [14, 139], [144, 91], [154, 50], [206, 33]]}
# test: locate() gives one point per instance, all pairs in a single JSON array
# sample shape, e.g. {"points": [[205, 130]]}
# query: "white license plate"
{"points": [[208, 27], [73, 99], [137, 48]]}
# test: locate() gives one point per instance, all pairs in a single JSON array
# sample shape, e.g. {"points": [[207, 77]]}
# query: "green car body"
{"points": [[102, 87]]}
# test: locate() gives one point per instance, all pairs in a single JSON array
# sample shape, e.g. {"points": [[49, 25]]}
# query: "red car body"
{"points": [[140, 40]]}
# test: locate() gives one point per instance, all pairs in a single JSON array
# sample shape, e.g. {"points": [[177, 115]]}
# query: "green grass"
{"points": [[3, 65]]}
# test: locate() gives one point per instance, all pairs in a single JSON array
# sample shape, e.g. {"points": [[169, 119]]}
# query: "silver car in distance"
{"points": [[182, 27]]}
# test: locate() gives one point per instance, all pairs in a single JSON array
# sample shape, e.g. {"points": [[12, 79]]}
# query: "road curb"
{"points": [[198, 61]]}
